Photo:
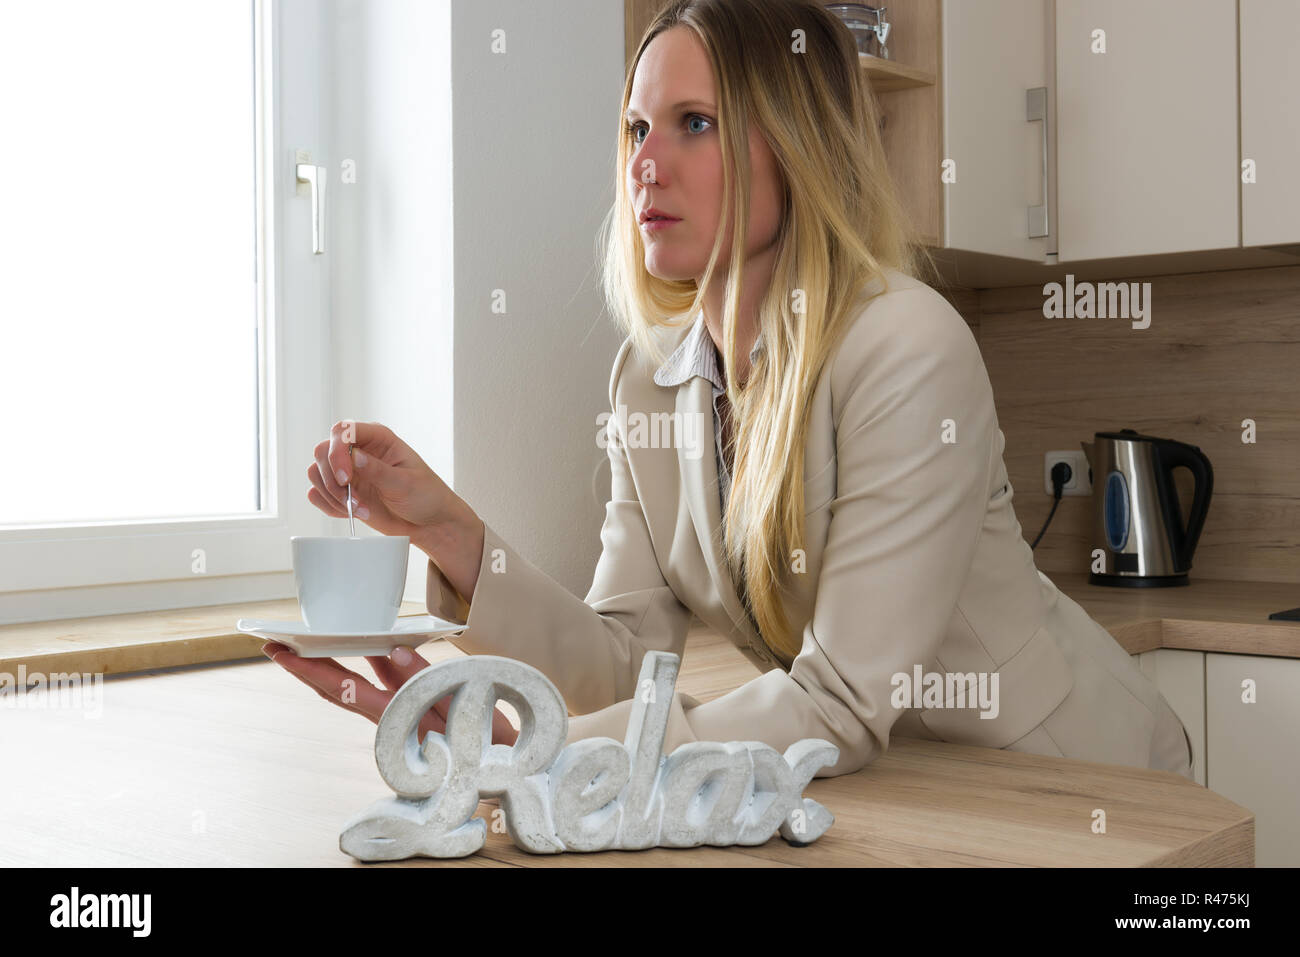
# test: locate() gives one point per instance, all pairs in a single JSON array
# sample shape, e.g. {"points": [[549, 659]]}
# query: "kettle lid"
{"points": [[1129, 435]]}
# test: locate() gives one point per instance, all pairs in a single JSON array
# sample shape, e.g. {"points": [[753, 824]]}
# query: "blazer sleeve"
{"points": [[591, 648], [903, 532]]}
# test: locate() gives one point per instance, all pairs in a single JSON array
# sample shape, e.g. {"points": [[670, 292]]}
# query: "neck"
{"points": [[758, 276]]}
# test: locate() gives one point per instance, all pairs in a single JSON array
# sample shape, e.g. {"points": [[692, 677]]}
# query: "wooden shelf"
{"points": [[886, 76]]}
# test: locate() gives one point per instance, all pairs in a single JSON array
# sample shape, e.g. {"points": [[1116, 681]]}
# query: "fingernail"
{"points": [[359, 458], [342, 476], [362, 512], [403, 655]]}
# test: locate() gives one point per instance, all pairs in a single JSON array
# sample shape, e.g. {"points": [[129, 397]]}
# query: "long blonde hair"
{"points": [[842, 227]]}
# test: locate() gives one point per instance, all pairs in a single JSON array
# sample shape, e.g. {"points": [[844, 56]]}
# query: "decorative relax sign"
{"points": [[596, 795]]}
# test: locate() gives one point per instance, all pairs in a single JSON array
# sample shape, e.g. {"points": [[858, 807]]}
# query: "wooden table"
{"points": [[239, 764]]}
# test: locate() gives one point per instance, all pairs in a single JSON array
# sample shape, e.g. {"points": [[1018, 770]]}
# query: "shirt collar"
{"points": [[697, 355]]}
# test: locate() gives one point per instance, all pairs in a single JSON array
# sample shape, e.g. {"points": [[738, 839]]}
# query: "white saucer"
{"points": [[409, 631]]}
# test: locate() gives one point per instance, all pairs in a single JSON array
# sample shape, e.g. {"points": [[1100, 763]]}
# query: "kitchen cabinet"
{"points": [[1143, 154], [1147, 130], [1180, 677], [1253, 748], [997, 82], [1270, 122]]}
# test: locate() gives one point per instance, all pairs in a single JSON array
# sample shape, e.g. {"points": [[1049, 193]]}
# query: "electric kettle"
{"points": [[1139, 538]]}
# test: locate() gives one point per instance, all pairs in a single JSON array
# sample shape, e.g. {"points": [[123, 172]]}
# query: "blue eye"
{"points": [[631, 128]]}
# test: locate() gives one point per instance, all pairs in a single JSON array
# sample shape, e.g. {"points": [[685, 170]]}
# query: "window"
{"points": [[140, 464]]}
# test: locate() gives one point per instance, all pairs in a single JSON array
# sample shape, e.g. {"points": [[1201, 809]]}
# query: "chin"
{"points": [[669, 269]]}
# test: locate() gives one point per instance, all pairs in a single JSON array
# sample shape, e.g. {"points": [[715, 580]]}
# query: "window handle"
{"points": [[314, 176]]}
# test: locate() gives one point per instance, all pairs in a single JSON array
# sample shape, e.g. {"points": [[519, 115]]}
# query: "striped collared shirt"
{"points": [[697, 356]]}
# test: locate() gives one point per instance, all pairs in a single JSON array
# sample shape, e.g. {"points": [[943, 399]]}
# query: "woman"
{"points": [[852, 528]]}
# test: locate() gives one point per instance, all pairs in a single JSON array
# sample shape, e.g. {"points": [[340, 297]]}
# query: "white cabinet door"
{"points": [[994, 53], [1253, 748], [1180, 676], [1270, 121], [1147, 131]]}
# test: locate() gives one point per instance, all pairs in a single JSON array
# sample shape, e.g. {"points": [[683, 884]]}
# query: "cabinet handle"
{"points": [[1036, 110], [315, 175]]}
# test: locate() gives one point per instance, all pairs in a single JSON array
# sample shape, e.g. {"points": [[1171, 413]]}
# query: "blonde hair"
{"points": [[842, 227]]}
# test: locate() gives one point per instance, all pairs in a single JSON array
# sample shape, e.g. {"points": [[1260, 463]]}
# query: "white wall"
{"points": [[389, 234], [479, 171]]}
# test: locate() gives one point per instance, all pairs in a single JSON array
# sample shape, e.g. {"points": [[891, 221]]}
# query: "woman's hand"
{"points": [[329, 679], [393, 490]]}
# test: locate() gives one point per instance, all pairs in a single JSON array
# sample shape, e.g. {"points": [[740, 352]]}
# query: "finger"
{"points": [[380, 444], [394, 676], [374, 718], [331, 504], [385, 672], [315, 497], [407, 662], [503, 732], [329, 474], [319, 692], [368, 709], [344, 434], [397, 670], [371, 472], [327, 675], [432, 722]]}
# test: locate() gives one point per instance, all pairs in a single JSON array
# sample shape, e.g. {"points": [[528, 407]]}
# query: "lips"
{"points": [[652, 215]]}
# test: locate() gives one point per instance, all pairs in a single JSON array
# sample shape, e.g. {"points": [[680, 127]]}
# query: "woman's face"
{"points": [[676, 162]]}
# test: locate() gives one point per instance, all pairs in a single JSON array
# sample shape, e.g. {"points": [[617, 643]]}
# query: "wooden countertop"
{"points": [[240, 764], [1219, 616], [1222, 616]]}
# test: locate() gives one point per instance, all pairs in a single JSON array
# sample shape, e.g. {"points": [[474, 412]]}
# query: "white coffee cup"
{"points": [[350, 584]]}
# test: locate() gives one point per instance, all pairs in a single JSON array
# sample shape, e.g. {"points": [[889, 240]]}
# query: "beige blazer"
{"points": [[913, 557]]}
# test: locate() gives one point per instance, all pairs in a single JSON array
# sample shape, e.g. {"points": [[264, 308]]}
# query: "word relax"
{"points": [[596, 795]]}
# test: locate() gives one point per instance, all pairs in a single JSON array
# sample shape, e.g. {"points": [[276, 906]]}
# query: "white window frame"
{"points": [[80, 569]]}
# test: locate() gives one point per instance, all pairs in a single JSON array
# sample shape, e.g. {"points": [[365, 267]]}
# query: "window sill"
{"points": [[117, 644]]}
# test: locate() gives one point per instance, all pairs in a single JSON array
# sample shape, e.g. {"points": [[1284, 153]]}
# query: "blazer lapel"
{"points": [[700, 487]]}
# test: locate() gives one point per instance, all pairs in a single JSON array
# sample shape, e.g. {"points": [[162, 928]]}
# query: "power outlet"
{"points": [[1080, 476]]}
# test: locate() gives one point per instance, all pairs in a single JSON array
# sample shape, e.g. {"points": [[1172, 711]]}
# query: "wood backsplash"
{"points": [[1221, 347]]}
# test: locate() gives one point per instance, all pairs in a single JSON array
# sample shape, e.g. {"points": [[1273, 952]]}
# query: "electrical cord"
{"points": [[1060, 475]]}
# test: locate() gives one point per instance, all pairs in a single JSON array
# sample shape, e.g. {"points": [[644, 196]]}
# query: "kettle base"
{"points": [[1138, 581]]}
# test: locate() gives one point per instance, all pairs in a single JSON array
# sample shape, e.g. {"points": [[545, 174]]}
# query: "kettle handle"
{"points": [[1172, 454]]}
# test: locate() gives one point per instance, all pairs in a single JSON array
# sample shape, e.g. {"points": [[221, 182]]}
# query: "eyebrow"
{"points": [[677, 106]]}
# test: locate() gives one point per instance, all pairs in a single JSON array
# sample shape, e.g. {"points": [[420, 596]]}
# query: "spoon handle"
{"points": [[352, 525]]}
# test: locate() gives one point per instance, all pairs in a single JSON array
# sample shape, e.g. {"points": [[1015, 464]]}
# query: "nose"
{"points": [[645, 165]]}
